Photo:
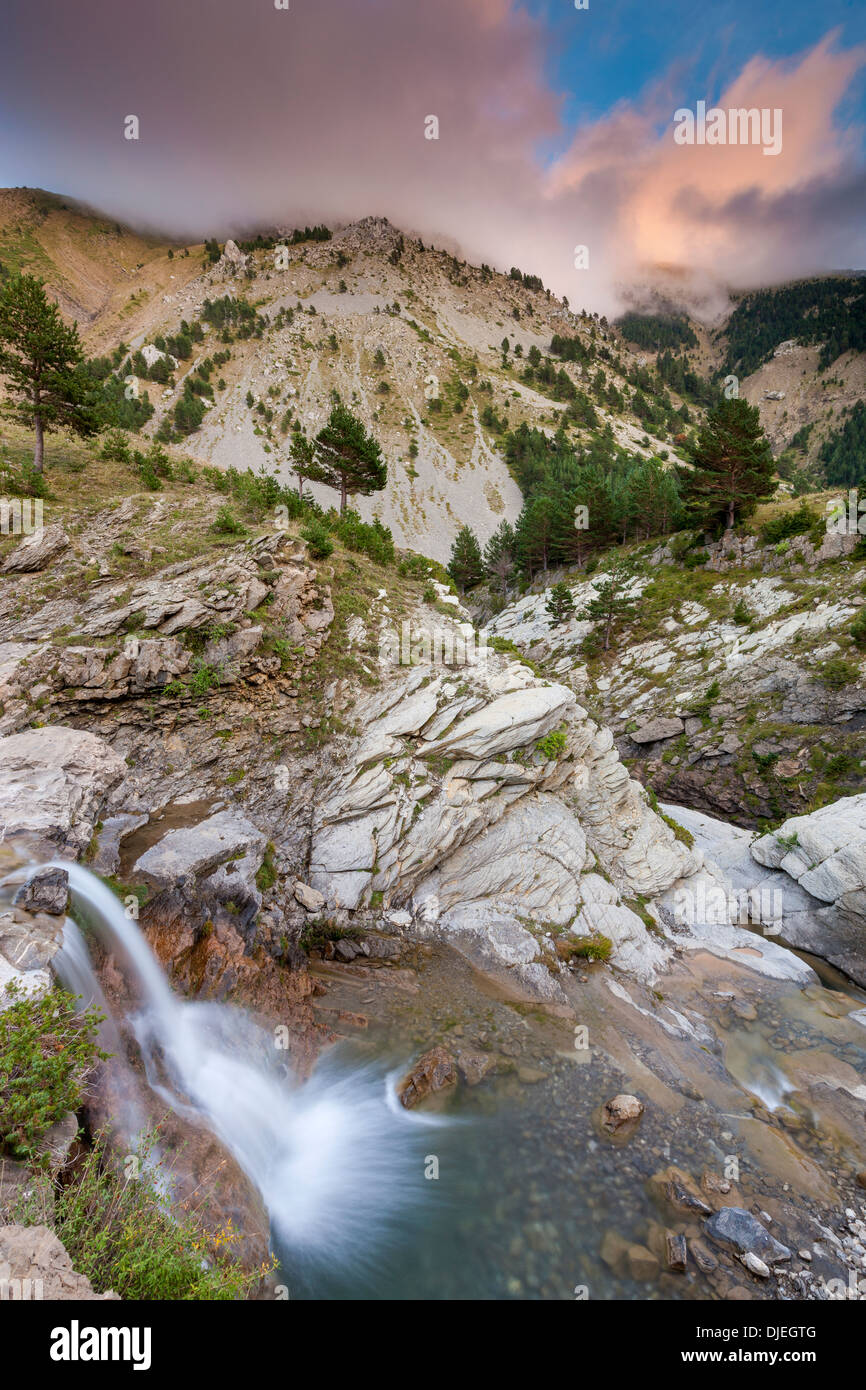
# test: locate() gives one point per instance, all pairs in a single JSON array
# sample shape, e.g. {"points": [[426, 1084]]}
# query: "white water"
{"points": [[334, 1158]]}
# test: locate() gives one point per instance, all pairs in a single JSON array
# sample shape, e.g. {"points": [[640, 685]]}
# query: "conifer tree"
{"points": [[732, 464], [466, 566], [42, 363], [560, 604], [613, 602], [347, 457]]}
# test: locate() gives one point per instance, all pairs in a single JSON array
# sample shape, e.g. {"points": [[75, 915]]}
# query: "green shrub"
{"points": [[742, 616], [318, 538], [586, 947], [47, 1053], [372, 539], [788, 524], [858, 630], [838, 672], [122, 1234], [553, 745], [227, 524]]}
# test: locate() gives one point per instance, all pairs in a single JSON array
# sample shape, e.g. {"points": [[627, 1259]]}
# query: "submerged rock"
{"points": [[737, 1230], [622, 1110]]}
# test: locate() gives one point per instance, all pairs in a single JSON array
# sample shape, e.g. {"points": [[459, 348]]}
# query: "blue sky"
{"points": [[617, 49]]}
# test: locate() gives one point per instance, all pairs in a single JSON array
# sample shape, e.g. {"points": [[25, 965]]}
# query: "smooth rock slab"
{"points": [[658, 729], [54, 783], [200, 849], [36, 551]]}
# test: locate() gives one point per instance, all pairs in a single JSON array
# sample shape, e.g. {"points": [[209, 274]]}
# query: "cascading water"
{"points": [[334, 1158]]}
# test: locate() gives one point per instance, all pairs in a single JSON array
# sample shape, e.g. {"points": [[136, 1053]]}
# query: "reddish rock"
{"points": [[431, 1073]]}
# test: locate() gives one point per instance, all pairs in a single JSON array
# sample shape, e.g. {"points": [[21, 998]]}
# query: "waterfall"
{"points": [[335, 1160]]}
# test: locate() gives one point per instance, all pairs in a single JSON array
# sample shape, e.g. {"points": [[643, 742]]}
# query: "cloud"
{"points": [[731, 210], [252, 116]]}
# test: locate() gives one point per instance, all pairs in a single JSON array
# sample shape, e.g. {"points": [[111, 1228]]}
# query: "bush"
{"points": [[121, 1233], [226, 523], [318, 538], [838, 672], [586, 948], [788, 524], [553, 745], [115, 447], [858, 630], [47, 1053], [374, 539]]}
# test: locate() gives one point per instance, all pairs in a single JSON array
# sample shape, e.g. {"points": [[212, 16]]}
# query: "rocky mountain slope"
{"points": [[735, 686]]}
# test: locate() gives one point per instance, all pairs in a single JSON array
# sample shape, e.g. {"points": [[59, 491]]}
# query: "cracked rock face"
{"points": [[54, 782], [823, 856], [492, 804]]}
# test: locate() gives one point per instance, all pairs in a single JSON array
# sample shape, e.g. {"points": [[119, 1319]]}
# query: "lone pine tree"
{"points": [[42, 361], [347, 457], [732, 464]]}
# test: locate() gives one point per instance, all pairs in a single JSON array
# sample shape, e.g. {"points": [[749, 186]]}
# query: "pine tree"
{"points": [[347, 457], [499, 555], [466, 566], [560, 604], [613, 601], [732, 463], [42, 362], [533, 534], [304, 460]]}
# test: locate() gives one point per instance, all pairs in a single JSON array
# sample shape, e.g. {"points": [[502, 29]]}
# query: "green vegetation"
{"points": [[831, 312], [466, 566], [732, 464], [560, 604], [657, 331], [585, 947], [787, 524], [347, 457], [42, 363], [121, 1234], [553, 745], [843, 455], [47, 1054]]}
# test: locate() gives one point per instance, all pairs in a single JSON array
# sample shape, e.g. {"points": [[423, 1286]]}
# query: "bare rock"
{"points": [[311, 899], [34, 1255], [657, 729], [45, 891], [622, 1110], [36, 551], [433, 1072], [54, 783]]}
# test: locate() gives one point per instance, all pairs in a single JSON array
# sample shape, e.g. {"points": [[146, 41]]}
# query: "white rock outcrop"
{"points": [[54, 782], [491, 804]]}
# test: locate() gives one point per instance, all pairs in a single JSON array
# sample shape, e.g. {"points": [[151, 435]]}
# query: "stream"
{"points": [[510, 1188]]}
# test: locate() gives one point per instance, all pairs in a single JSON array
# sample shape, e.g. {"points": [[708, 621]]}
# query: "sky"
{"points": [[556, 127]]}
